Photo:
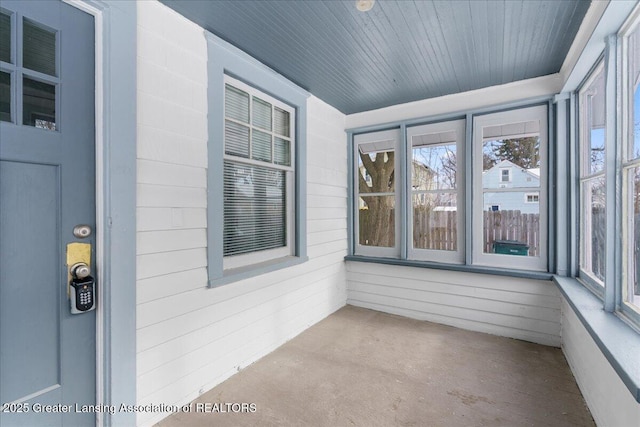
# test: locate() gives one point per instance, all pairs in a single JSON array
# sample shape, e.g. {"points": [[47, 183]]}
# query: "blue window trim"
{"points": [[468, 116], [223, 58], [496, 271]]}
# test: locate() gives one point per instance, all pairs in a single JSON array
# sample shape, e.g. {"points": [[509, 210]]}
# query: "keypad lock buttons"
{"points": [[82, 286]]}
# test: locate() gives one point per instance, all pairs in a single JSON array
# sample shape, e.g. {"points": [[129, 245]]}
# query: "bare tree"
{"points": [[377, 225]]}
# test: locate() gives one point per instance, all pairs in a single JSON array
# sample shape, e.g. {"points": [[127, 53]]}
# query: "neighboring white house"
{"points": [[506, 174]]}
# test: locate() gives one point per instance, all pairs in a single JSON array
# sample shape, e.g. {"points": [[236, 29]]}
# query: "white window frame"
{"points": [[368, 138], [457, 256], [533, 195], [502, 170], [629, 304], [527, 114], [231, 262], [585, 176]]}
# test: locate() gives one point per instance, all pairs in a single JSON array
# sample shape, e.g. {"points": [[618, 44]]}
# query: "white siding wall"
{"points": [[506, 306], [609, 400], [189, 337]]}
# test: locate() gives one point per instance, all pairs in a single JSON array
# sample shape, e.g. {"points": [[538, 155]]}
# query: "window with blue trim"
{"points": [[411, 192], [258, 176]]}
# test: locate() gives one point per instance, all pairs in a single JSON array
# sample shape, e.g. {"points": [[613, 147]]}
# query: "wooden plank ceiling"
{"points": [[400, 50]]}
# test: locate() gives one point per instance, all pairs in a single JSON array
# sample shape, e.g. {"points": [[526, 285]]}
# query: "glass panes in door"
{"points": [[39, 48], [39, 104], [5, 37], [28, 86], [5, 96]]}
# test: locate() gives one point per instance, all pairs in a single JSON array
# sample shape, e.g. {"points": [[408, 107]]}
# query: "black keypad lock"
{"points": [[82, 295]]}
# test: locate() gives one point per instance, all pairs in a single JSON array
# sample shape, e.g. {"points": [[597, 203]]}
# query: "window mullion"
{"points": [[250, 126], [273, 135], [469, 161], [403, 159], [613, 160]]}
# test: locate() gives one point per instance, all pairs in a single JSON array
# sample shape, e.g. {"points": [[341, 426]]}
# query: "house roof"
{"points": [[534, 172], [399, 51]]}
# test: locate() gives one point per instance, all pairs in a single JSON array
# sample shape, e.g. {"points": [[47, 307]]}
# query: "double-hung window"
{"points": [[411, 191], [631, 173], [510, 189], [377, 192], [436, 227], [258, 176], [423, 183], [592, 179]]}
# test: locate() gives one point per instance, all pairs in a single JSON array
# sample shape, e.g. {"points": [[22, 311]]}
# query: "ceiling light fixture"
{"points": [[364, 5]]}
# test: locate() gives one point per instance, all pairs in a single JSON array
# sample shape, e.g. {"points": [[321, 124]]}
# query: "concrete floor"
{"points": [[364, 368]]}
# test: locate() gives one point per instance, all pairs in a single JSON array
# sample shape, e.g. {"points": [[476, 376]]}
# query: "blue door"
{"points": [[47, 187]]}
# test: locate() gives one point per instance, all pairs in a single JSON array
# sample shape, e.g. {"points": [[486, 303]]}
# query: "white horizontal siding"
{"points": [[158, 173], [190, 337], [512, 307], [170, 240]]}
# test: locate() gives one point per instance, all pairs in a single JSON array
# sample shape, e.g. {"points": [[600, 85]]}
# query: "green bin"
{"points": [[510, 247]]}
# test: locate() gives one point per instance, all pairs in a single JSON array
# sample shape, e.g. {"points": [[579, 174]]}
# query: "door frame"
{"points": [[115, 143]]}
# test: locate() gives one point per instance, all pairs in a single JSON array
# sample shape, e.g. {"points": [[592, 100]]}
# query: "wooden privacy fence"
{"points": [[437, 229], [512, 225]]}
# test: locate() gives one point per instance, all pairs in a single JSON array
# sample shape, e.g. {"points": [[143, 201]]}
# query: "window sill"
{"points": [[525, 274], [619, 343], [253, 270]]}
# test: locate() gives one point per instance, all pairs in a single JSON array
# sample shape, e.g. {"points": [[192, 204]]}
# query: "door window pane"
{"points": [[39, 48], [39, 104], [5, 37], [5, 96]]}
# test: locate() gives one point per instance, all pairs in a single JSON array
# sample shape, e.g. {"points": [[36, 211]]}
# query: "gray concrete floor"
{"points": [[364, 368]]}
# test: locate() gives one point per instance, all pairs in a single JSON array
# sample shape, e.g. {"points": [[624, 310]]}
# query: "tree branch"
{"points": [[364, 187], [366, 161]]}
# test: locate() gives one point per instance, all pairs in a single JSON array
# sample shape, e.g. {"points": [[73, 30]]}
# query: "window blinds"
{"points": [[255, 195]]}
